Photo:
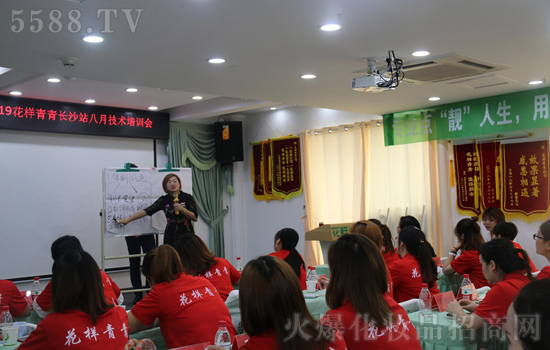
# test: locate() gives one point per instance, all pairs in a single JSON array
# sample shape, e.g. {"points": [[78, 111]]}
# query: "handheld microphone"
{"points": [[176, 200]]}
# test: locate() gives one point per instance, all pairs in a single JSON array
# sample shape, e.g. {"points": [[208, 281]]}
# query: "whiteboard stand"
{"points": [[103, 257]]}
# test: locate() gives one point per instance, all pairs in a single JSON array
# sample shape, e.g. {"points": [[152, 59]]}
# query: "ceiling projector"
{"points": [[375, 80]]}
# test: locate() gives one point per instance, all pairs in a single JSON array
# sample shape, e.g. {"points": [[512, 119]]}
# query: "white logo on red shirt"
{"points": [[71, 338], [208, 291], [217, 272], [91, 333], [184, 300], [415, 273], [110, 330], [225, 270], [196, 294], [125, 330], [208, 274]]}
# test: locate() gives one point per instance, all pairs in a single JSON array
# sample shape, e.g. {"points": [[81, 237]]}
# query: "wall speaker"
{"points": [[229, 141]]}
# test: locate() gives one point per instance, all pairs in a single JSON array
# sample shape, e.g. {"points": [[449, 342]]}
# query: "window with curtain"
{"points": [[349, 175]]}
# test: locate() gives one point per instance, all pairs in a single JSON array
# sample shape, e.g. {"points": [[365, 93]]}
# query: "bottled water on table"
{"points": [[223, 338], [425, 301], [36, 288], [466, 288], [239, 264]]}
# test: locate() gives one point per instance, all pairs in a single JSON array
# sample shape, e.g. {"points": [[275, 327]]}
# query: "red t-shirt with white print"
{"points": [[407, 279], [74, 329], [188, 310], [110, 289], [222, 275]]}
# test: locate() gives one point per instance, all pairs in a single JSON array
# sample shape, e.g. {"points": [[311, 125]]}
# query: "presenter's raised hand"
{"points": [[123, 222]]}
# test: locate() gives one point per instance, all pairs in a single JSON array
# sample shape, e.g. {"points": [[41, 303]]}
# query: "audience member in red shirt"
{"points": [[60, 246], [285, 248], [274, 312], [81, 318], [528, 320], [388, 251], [504, 266], [10, 296], [542, 246], [361, 309], [188, 308], [411, 221], [469, 238], [507, 230], [415, 267], [198, 260], [491, 217]]}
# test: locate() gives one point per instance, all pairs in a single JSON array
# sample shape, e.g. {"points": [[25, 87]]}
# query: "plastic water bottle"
{"points": [[239, 264], [425, 301], [466, 288], [36, 288], [312, 274], [5, 317], [223, 338]]}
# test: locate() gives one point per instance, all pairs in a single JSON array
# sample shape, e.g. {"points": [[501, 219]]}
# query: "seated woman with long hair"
{"points": [[415, 267], [530, 307], [198, 260], [188, 308], [491, 217], [388, 251], [469, 237], [508, 230], [542, 247], [504, 266], [361, 309], [373, 232], [411, 221], [274, 313], [81, 317], [285, 248]]}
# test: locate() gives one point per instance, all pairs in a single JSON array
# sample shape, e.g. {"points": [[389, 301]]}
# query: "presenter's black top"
{"points": [[176, 224]]}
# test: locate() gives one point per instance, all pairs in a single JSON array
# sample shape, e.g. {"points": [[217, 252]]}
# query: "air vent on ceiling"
{"points": [[447, 68]]}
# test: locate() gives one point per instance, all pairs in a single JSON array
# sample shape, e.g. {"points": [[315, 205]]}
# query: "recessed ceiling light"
{"points": [[435, 98], [16, 93], [273, 108], [131, 90], [216, 60], [197, 97], [308, 76], [90, 101], [93, 39], [420, 53], [153, 108], [54, 80], [330, 27], [536, 82]]}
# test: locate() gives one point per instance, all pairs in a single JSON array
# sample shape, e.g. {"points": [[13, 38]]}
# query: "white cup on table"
{"points": [[9, 335], [311, 286]]}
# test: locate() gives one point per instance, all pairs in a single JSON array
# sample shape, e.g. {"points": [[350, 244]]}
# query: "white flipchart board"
{"points": [[125, 193]]}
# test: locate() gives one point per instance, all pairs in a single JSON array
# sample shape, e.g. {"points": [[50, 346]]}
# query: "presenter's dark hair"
{"points": [[269, 297], [162, 264], [165, 181], [387, 240], [506, 257], [195, 256], [65, 244], [368, 229], [471, 234], [358, 275], [532, 302], [493, 213], [289, 239], [505, 230], [77, 285], [415, 241], [408, 221]]}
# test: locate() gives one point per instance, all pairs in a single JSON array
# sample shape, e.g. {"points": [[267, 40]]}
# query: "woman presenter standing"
{"points": [[179, 207]]}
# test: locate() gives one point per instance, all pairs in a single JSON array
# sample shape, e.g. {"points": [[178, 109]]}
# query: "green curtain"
{"points": [[193, 146]]}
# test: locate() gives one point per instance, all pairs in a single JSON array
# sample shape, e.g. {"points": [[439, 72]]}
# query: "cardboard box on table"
{"points": [[328, 233]]}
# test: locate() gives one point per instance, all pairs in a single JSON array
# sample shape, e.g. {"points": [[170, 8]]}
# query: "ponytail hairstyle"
{"points": [[387, 240], [289, 239], [368, 229], [506, 257], [505, 230], [162, 264], [472, 238], [415, 241], [270, 297]]}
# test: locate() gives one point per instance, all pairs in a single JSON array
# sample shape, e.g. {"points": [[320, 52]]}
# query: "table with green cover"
{"points": [[322, 270], [442, 332]]}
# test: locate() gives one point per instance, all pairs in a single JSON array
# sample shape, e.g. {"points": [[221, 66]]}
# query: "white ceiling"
{"points": [[267, 46]]}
